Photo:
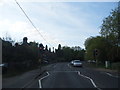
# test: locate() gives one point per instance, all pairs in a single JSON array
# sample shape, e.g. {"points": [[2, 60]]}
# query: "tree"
{"points": [[7, 51], [49, 50], [46, 48], [110, 30], [99, 43], [59, 51], [59, 47], [67, 53], [108, 44]]}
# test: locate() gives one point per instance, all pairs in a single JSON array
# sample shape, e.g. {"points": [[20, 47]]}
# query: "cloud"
{"points": [[5, 2], [2, 2], [68, 0], [63, 23], [57, 19], [20, 29]]}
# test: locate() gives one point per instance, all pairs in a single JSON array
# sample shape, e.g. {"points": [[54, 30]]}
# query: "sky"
{"points": [[65, 23]]}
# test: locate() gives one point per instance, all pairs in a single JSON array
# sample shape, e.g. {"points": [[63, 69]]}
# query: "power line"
{"points": [[31, 22]]}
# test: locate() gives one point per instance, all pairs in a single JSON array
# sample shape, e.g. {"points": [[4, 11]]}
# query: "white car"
{"points": [[77, 63]]}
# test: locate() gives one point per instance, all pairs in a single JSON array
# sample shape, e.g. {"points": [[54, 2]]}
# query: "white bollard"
{"points": [[107, 63]]}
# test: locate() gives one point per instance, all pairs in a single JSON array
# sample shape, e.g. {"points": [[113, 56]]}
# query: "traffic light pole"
{"points": [[95, 56]]}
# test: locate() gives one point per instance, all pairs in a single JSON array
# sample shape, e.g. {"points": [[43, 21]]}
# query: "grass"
{"points": [[113, 66], [116, 66]]}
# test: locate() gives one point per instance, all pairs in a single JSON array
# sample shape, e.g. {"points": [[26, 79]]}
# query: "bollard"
{"points": [[107, 64]]}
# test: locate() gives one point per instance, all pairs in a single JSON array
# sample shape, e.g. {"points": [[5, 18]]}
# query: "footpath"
{"points": [[23, 80], [20, 81]]}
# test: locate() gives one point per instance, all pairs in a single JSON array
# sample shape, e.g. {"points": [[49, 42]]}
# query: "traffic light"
{"points": [[96, 52]]}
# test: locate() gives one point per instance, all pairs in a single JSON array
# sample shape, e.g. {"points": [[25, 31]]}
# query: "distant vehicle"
{"points": [[45, 62], [91, 61], [1, 65], [4, 67], [76, 63]]}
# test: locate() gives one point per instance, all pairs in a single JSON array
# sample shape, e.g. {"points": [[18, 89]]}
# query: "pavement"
{"points": [[20, 81], [63, 75]]}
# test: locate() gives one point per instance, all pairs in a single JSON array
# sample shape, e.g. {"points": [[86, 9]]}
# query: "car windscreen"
{"points": [[77, 61]]}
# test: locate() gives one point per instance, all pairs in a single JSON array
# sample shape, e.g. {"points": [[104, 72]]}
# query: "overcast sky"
{"points": [[67, 23]]}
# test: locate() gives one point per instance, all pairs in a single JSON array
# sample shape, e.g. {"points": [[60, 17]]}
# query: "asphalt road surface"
{"points": [[63, 75]]}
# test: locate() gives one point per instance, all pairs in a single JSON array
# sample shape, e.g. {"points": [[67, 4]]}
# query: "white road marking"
{"points": [[64, 71], [89, 79], [111, 75], [69, 65], [40, 83]]}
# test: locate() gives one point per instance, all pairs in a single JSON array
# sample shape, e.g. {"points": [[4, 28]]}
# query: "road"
{"points": [[63, 75]]}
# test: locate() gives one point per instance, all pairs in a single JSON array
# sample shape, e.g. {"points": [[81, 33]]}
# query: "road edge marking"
{"points": [[89, 79], [39, 81], [110, 75]]}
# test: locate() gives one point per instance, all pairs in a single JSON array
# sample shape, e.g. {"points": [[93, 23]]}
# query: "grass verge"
{"points": [[113, 66]]}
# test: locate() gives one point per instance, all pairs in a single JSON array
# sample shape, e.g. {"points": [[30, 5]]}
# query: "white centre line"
{"points": [[40, 84], [89, 79]]}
